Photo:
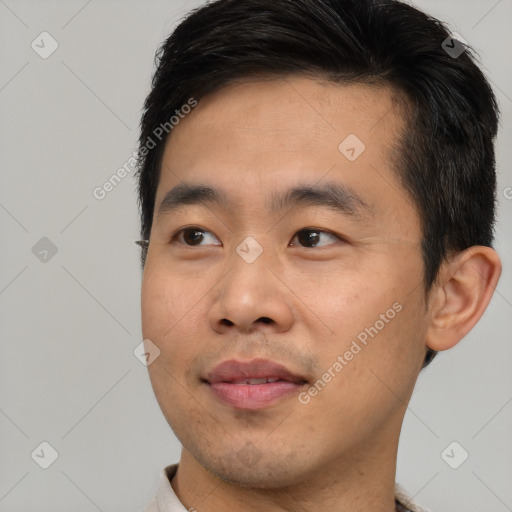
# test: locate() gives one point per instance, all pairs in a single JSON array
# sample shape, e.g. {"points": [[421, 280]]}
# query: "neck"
{"points": [[362, 481]]}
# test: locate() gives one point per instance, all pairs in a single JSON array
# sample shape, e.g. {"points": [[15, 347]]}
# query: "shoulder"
{"points": [[152, 506], [404, 503]]}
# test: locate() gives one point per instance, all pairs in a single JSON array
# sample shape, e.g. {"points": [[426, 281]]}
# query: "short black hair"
{"points": [[444, 157]]}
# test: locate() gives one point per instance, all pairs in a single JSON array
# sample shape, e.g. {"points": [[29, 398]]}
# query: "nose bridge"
{"points": [[250, 291], [249, 274]]}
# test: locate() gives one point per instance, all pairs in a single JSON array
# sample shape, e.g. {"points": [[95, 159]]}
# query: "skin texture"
{"points": [[299, 305]]}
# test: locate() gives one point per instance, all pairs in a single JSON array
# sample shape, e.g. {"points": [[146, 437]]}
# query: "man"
{"points": [[317, 185]]}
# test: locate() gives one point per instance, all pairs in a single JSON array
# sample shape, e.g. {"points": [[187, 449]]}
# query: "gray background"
{"points": [[69, 324]]}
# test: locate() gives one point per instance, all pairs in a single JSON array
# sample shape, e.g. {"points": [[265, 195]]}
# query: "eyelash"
{"points": [[197, 228]]}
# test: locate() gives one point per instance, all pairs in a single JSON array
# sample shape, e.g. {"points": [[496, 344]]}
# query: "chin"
{"points": [[251, 467]]}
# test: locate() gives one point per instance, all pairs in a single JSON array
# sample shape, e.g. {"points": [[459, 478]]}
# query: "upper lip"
{"points": [[236, 370]]}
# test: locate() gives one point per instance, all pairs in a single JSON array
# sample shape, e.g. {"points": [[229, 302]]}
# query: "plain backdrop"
{"points": [[70, 275]]}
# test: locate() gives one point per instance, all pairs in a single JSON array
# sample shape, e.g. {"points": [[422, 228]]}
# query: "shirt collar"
{"points": [[166, 499]]}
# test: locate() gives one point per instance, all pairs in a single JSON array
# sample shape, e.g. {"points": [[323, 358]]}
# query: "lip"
{"points": [[230, 380]]}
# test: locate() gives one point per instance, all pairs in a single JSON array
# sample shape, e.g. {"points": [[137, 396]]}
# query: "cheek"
{"points": [[174, 307], [392, 342], [166, 301], [380, 308], [166, 323], [154, 306], [166, 315], [371, 366], [342, 302]]}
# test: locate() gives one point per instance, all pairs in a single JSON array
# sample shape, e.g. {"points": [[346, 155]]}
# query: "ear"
{"points": [[461, 294]]}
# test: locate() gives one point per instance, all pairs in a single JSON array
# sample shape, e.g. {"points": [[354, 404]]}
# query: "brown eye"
{"points": [[193, 236], [310, 238]]}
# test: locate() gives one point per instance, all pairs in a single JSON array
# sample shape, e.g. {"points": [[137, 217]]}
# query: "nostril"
{"points": [[266, 320]]}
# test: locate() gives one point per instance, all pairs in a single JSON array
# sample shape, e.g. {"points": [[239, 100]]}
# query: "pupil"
{"points": [[308, 237], [194, 238]]}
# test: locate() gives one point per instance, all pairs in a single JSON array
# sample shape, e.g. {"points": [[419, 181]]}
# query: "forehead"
{"points": [[256, 136], [292, 113]]}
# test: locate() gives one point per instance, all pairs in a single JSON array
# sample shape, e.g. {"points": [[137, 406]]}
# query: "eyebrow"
{"points": [[336, 196]]}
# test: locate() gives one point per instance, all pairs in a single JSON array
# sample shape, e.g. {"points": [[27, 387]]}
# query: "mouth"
{"points": [[252, 385]]}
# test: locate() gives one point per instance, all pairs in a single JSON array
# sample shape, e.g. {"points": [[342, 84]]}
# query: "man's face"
{"points": [[335, 297]]}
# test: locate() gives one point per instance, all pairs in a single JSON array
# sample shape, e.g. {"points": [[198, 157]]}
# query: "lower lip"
{"points": [[253, 396]]}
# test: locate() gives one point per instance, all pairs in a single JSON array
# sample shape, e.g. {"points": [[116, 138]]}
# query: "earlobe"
{"points": [[461, 294]]}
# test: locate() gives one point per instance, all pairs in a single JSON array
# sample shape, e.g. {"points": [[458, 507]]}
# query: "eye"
{"points": [[192, 236], [310, 237]]}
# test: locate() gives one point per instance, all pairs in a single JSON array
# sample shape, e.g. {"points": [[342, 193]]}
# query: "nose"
{"points": [[251, 297]]}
